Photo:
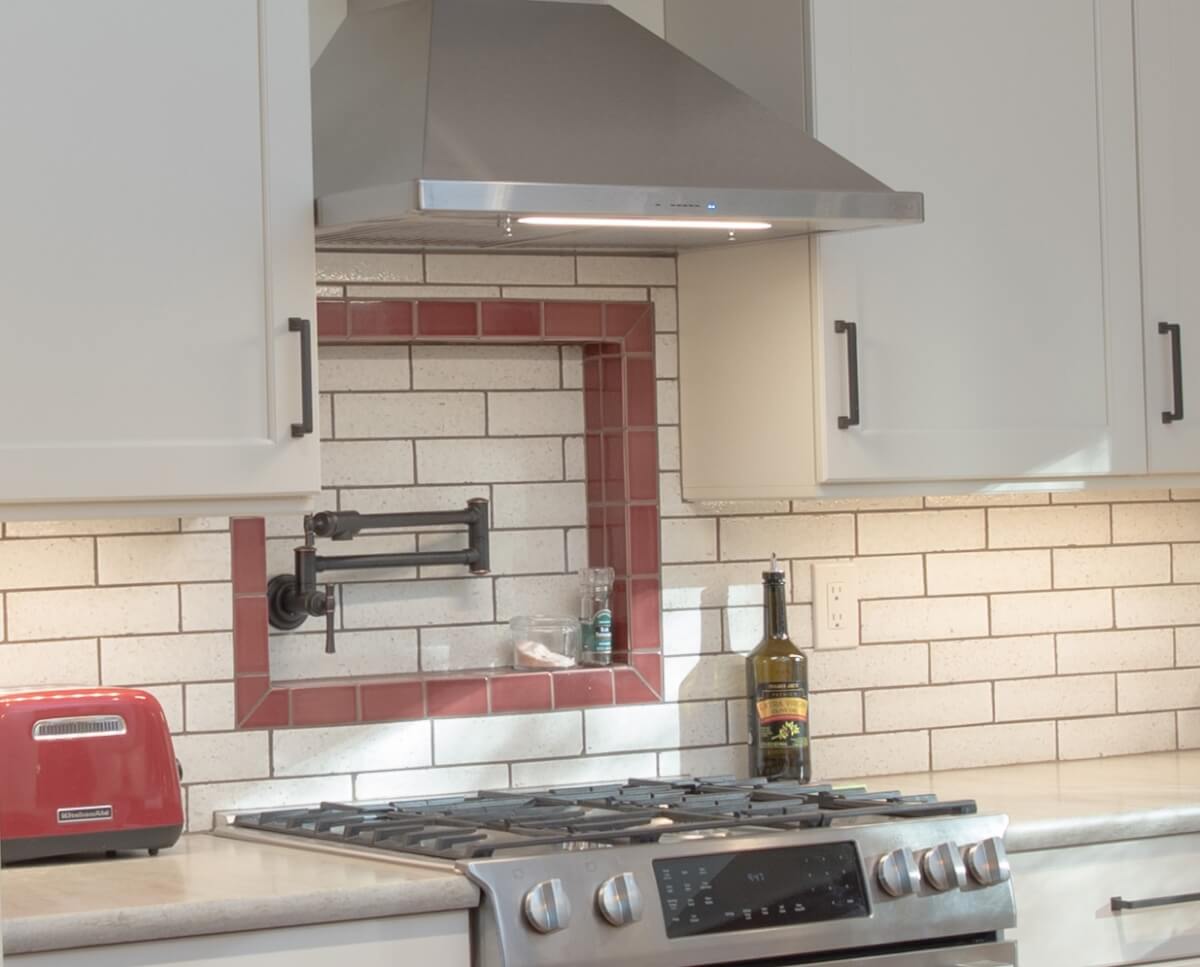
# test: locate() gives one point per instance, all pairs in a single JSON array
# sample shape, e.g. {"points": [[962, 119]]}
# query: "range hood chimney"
{"points": [[520, 124]]}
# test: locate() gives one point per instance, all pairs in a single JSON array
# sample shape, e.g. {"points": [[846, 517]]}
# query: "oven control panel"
{"points": [[793, 885]]}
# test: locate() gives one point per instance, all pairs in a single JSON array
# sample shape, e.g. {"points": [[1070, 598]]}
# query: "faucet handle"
{"points": [[330, 608]]}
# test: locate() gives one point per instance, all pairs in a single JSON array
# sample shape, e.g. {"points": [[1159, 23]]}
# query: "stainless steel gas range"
{"points": [[674, 872]]}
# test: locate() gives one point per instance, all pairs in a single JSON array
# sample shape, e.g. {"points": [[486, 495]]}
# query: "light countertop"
{"points": [[206, 884], [1053, 804]]}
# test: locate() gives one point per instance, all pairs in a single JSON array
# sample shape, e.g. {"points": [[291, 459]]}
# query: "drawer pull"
{"points": [[850, 330], [1120, 903], [304, 327], [1176, 413]]}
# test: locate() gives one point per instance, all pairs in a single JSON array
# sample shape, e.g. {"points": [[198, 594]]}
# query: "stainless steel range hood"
{"points": [[444, 123]]}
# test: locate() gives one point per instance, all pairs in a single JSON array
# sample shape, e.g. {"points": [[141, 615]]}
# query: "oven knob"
{"points": [[620, 900], [547, 907], [988, 861], [898, 872], [943, 867]]}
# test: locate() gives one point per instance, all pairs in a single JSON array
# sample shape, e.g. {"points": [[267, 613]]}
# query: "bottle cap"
{"points": [[776, 575]]}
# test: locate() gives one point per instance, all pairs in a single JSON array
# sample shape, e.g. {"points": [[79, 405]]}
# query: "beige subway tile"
{"points": [[586, 769], [299, 655], [191, 524], [668, 447], [331, 291], [757, 538], [717, 760], [374, 415], [53, 563], [411, 783], [223, 756], [485, 367], [537, 412], [350, 748], [423, 291], [368, 267], [584, 293], [853, 756], [324, 420], [1047, 526], [1187, 647], [668, 402], [204, 799], [1114, 651], [1185, 493], [625, 270], [826, 505], [166, 658], [1156, 523], [86, 528], [928, 706], [693, 632], [574, 459], [1146, 607], [666, 356], [1106, 567], [974, 572], [1096, 738], [465, 646], [513, 552], [1046, 611], [1008, 499], [978, 659], [416, 603], [1061, 697], [673, 505], [1108, 496], [1154, 690], [170, 700], [870, 666], [689, 540], [666, 309], [37, 615], [1188, 724], [500, 738], [366, 463], [744, 627], [362, 368], [688, 678], [500, 269], [209, 707], [572, 366], [913, 619], [687, 586], [992, 745], [516, 459], [896, 576], [632, 728], [71, 662], [1185, 563], [161, 558], [915, 531], [397, 500], [556, 594], [539, 505]]}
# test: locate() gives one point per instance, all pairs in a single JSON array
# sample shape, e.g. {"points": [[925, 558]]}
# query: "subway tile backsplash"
{"points": [[1004, 628]]}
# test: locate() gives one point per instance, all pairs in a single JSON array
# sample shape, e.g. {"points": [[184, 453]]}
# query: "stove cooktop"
{"points": [[587, 817]]}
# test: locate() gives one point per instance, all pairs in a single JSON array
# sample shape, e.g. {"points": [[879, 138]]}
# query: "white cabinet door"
{"points": [[1001, 338], [157, 236], [1168, 86]]}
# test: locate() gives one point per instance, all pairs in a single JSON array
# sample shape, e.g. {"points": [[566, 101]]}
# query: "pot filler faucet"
{"points": [[293, 598]]}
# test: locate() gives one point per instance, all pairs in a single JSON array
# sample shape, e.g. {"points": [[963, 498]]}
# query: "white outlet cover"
{"points": [[827, 634]]}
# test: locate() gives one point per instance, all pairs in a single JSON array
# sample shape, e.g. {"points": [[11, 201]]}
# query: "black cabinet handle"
{"points": [[304, 327], [1118, 904], [851, 331], [1172, 329]]}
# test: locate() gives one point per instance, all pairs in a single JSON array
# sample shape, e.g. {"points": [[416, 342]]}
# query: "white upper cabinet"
{"points": [[157, 238], [1000, 339], [1168, 99]]}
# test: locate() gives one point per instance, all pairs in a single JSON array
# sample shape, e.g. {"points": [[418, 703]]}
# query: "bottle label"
{"points": [[781, 711], [602, 631]]}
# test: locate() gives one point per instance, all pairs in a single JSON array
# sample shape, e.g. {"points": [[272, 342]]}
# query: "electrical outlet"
{"points": [[835, 605]]}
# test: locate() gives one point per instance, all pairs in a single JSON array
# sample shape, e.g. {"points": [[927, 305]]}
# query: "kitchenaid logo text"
{"points": [[85, 814]]}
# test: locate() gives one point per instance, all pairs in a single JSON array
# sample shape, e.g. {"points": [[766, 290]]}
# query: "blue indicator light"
{"points": [[712, 206]]}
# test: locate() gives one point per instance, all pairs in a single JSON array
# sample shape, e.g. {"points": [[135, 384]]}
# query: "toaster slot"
{"points": [[77, 727]]}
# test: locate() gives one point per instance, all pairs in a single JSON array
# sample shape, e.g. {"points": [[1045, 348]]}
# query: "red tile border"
{"points": [[623, 521]]}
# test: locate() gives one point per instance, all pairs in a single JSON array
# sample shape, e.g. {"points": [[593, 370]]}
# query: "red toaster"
{"points": [[85, 770]]}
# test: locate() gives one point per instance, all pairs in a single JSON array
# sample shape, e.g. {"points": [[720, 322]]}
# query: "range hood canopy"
{"points": [[443, 123]]}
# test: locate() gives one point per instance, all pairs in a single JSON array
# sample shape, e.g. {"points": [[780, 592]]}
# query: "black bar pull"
{"points": [[330, 608], [851, 331], [1117, 904], [1172, 329], [304, 327]]}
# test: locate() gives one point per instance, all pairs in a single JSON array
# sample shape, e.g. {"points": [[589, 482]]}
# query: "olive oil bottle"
{"points": [[777, 686]]}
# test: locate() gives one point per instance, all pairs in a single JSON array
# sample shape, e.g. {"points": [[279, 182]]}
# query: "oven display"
{"points": [[760, 888]]}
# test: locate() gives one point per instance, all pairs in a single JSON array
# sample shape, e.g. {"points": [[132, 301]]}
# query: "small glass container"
{"points": [[545, 641], [595, 614]]}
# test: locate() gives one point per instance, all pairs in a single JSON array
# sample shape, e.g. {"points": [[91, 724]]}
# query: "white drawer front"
{"points": [[1063, 912]]}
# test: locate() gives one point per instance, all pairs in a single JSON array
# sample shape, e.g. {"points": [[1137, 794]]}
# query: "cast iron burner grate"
{"points": [[593, 816]]}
